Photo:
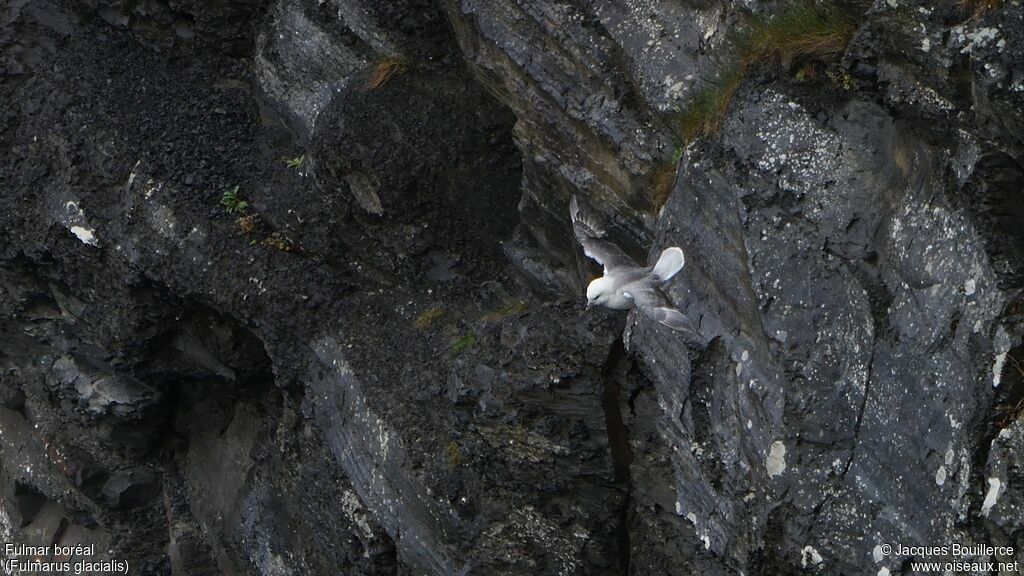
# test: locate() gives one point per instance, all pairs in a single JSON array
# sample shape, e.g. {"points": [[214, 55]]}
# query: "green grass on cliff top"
{"points": [[800, 31]]}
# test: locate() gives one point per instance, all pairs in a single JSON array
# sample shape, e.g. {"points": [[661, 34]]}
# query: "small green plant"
{"points": [[806, 73], [840, 79], [232, 202], [801, 31], [278, 241], [296, 162], [427, 318], [511, 307], [463, 343], [453, 455]]}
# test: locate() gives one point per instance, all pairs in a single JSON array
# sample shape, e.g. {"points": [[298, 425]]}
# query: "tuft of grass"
{"points": [[232, 202], [247, 224], [978, 7], [463, 343], [295, 162], [706, 110], [453, 455], [800, 31], [427, 318], [386, 69], [1009, 413], [662, 179], [510, 308]]}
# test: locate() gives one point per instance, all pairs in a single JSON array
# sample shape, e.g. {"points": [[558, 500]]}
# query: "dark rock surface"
{"points": [[380, 364]]}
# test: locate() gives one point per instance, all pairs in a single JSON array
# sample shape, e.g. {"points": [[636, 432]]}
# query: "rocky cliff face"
{"points": [[370, 355]]}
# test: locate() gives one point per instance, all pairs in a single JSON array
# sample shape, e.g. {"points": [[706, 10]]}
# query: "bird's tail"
{"points": [[670, 262]]}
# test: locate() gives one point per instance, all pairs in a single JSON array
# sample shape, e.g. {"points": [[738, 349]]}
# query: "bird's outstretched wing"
{"points": [[589, 232], [674, 319], [656, 306]]}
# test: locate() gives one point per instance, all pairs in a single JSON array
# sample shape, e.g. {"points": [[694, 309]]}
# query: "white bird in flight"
{"points": [[625, 285]]}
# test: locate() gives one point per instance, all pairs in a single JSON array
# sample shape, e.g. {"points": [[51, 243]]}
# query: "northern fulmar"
{"points": [[625, 285]]}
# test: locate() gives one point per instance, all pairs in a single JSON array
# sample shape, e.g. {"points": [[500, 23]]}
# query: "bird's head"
{"points": [[598, 290]]}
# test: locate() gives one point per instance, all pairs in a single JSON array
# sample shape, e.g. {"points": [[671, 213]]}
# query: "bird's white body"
{"points": [[605, 292], [620, 286]]}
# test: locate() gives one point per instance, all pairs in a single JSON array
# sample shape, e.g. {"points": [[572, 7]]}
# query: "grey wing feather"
{"points": [[589, 231], [656, 306], [674, 319], [605, 253], [645, 296], [584, 223]]}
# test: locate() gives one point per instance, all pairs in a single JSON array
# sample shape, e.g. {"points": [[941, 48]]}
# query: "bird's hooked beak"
{"points": [[590, 303]]}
